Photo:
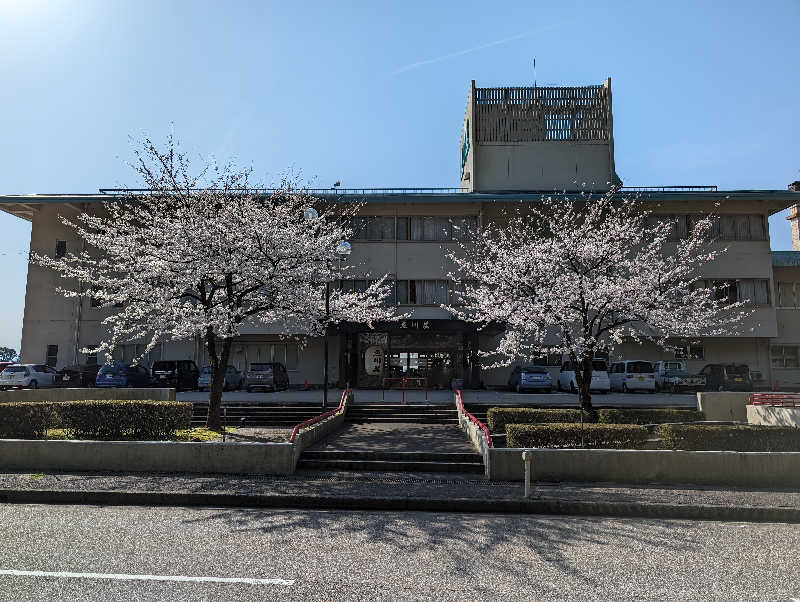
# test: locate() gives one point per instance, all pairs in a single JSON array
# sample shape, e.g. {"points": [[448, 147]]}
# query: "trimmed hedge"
{"points": [[498, 418], [649, 416], [568, 435], [26, 419], [100, 420], [702, 437], [113, 420]]}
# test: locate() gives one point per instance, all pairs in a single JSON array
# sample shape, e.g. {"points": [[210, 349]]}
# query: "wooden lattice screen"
{"points": [[533, 114]]}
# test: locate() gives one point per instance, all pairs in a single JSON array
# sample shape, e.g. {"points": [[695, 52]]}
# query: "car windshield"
{"points": [[15, 369], [534, 369], [599, 366], [164, 365], [260, 367], [672, 367], [206, 370], [639, 367]]}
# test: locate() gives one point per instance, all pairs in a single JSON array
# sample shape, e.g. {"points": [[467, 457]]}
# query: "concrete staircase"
{"points": [[260, 415], [399, 413], [382, 461]]}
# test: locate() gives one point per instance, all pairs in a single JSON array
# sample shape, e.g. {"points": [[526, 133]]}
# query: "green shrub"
{"points": [[596, 436], [26, 419], [498, 418], [116, 420], [649, 416], [703, 437]]}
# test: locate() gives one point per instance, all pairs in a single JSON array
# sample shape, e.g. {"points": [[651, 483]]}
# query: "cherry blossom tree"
{"points": [[7, 354], [576, 277], [206, 253]]}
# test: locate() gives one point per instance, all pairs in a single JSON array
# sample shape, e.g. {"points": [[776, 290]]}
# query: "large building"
{"points": [[517, 144]]}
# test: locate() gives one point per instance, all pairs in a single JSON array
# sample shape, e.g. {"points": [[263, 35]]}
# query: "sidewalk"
{"points": [[399, 492]]}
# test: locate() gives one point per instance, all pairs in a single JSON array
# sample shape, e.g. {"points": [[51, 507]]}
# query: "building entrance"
{"points": [[436, 367]]}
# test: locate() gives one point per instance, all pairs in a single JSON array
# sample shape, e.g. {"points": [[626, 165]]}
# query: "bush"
{"points": [[650, 416], [568, 435], [703, 437], [116, 420], [498, 418], [26, 419]]}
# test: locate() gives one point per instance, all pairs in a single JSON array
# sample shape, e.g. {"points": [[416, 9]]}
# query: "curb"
{"points": [[547, 506]]}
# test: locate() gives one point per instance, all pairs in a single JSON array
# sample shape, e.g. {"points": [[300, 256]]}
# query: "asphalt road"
{"points": [[99, 553]]}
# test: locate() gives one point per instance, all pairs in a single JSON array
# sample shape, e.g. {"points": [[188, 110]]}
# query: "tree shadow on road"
{"points": [[455, 539]]}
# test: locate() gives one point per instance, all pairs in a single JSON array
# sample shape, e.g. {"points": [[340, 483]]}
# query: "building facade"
{"points": [[517, 145]]}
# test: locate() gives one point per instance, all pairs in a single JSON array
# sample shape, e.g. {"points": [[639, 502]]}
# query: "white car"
{"points": [[29, 376], [632, 375], [568, 382]]}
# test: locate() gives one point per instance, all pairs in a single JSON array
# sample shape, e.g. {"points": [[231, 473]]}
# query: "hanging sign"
{"points": [[373, 360]]}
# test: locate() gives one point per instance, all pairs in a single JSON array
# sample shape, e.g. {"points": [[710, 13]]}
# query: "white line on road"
{"points": [[123, 577]]}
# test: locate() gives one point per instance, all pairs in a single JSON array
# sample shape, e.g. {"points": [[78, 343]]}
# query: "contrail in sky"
{"points": [[451, 55]]}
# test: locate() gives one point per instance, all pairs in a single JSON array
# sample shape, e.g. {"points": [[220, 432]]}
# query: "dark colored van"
{"points": [[727, 377], [181, 375], [270, 376]]}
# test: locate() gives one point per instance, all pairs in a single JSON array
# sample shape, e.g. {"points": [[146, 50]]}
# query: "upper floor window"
{"points": [[788, 294], [750, 290], [723, 227], [415, 227], [61, 249]]}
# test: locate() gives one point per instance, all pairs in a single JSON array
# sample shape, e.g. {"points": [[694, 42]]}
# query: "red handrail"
{"points": [[785, 400], [482, 426], [319, 418], [403, 380]]}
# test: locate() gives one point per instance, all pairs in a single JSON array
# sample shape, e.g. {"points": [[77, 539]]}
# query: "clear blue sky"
{"points": [[373, 93]]}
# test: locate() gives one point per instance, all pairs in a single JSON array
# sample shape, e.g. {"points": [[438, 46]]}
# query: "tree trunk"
{"points": [[585, 395], [219, 365]]}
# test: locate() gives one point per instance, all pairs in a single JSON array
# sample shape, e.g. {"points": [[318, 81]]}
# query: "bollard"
{"points": [[527, 457]]}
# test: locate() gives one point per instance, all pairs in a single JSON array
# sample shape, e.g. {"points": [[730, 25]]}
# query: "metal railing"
{"points": [[779, 400], [480, 424], [320, 418], [670, 188], [326, 191], [404, 386]]}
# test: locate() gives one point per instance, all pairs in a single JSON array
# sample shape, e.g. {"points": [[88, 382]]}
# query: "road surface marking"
{"points": [[123, 577]]}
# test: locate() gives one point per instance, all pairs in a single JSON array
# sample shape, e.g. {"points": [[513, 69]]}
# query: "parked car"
{"points": [[233, 379], [122, 375], [266, 375], [29, 376], [632, 375], [180, 374], [527, 378], [672, 376], [600, 383], [79, 376], [727, 377]]}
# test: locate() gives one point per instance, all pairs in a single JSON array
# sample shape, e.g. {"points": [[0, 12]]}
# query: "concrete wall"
{"points": [[83, 394], [320, 431], [723, 405], [147, 456], [773, 416], [738, 469]]}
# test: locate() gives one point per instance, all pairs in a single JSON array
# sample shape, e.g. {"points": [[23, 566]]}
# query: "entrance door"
{"points": [[436, 366]]}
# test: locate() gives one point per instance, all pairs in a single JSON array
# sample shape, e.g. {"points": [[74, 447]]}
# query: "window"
{"points": [[788, 294], [692, 352], [749, 290], [91, 355], [784, 356], [61, 248], [52, 355]]}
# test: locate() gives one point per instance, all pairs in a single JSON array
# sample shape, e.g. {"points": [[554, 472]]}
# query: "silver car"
{"points": [[29, 376]]}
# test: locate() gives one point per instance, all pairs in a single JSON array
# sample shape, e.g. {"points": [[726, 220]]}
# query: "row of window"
{"points": [[417, 227], [785, 356], [723, 227], [750, 290], [692, 352], [415, 292]]}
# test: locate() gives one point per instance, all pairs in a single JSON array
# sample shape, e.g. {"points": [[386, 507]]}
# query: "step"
{"points": [[401, 420], [392, 456], [389, 466]]}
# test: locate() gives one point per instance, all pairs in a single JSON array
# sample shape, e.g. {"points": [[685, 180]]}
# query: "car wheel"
{"points": [[624, 388], [572, 388], [249, 389], [651, 390], [33, 385], [516, 389]]}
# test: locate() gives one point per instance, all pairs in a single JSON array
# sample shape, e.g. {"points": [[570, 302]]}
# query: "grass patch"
{"points": [[199, 434]]}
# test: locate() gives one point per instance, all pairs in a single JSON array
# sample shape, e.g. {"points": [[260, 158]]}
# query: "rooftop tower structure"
{"points": [[538, 139]]}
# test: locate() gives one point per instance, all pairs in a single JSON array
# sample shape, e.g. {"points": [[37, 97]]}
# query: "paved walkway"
{"points": [[452, 492], [396, 437]]}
